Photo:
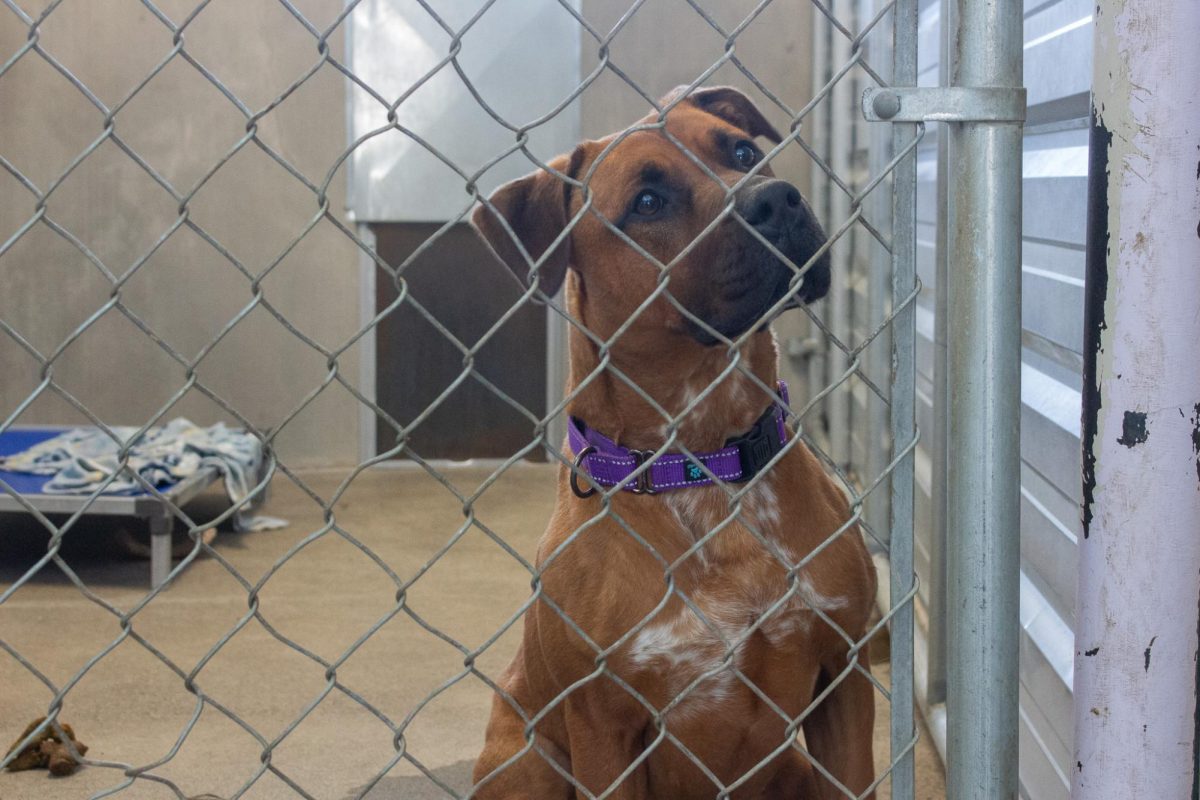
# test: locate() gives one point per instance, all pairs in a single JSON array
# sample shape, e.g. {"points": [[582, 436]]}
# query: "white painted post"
{"points": [[1139, 581]]}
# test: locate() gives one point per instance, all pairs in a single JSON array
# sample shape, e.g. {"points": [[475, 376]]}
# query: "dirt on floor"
{"points": [[289, 635]]}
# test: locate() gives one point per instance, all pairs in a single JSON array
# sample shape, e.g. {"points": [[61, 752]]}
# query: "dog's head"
{"points": [[727, 273]]}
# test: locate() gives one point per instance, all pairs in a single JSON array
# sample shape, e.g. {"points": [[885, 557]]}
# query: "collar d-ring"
{"points": [[576, 468]]}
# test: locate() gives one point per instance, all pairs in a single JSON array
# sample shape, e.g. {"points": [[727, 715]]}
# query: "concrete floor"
{"points": [[132, 708]]}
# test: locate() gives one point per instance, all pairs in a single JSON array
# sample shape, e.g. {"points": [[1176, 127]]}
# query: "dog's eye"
{"points": [[647, 204], [745, 155]]}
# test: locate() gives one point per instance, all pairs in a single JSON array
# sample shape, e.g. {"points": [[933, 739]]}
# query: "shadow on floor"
{"points": [[457, 776], [102, 550]]}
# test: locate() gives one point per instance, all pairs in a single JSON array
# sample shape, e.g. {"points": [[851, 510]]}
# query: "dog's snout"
{"points": [[777, 211], [771, 205]]}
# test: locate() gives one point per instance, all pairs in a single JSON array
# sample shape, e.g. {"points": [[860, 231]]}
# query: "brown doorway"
{"points": [[461, 285]]}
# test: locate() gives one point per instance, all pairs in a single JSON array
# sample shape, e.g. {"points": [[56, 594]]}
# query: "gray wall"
{"points": [[666, 45], [181, 125], [186, 292]]}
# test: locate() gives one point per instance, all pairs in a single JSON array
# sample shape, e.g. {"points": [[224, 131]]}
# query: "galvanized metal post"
{"points": [[984, 351], [935, 591], [877, 509], [842, 111], [903, 396], [1136, 647], [818, 123], [556, 373]]}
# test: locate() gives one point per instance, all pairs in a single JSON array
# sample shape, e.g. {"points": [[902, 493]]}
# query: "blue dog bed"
{"points": [[140, 504]]}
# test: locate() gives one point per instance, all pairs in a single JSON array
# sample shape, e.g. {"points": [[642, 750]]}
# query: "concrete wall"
{"points": [[181, 125], [668, 44]]}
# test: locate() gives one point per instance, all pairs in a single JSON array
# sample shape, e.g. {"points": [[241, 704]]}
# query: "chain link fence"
{"points": [[866, 234]]}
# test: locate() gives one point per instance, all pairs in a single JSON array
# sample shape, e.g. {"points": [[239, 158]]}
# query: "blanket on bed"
{"points": [[81, 460]]}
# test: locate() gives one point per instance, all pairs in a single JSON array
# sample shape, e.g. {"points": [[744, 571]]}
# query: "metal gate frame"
{"points": [[977, 454]]}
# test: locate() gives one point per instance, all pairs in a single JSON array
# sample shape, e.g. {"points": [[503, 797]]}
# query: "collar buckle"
{"points": [[645, 481], [759, 445]]}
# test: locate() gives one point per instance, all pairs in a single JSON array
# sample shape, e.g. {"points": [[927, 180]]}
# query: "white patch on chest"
{"points": [[696, 416], [797, 614], [684, 646], [719, 394], [761, 504], [698, 509], [701, 509]]}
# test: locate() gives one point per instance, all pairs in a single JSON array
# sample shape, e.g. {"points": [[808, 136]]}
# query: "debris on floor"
{"points": [[47, 751]]}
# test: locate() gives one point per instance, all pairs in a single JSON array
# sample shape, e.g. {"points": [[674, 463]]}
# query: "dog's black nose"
{"points": [[770, 206]]}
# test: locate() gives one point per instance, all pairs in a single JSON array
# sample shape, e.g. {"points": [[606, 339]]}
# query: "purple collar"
{"points": [[739, 460]]}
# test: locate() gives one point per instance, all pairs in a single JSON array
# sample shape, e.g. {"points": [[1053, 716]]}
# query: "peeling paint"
{"points": [[1133, 429], [1095, 291], [1196, 440]]}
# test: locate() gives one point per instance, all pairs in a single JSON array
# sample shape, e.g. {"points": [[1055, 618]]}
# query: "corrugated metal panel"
{"points": [[1058, 44], [1046, 663]]}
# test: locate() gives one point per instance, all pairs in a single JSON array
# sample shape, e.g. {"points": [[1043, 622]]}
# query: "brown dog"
{"points": [[660, 682]]}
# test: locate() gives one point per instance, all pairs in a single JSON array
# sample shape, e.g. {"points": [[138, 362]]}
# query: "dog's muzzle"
{"points": [[778, 212]]}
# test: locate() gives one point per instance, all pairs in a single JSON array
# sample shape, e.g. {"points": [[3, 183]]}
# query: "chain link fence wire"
{"points": [[330, 353]]}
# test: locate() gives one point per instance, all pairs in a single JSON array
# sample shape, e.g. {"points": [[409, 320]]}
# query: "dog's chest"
{"points": [[701, 510], [737, 598], [707, 622], [700, 653]]}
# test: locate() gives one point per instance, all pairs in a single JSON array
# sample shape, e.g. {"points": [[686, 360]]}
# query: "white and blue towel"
{"points": [[81, 460]]}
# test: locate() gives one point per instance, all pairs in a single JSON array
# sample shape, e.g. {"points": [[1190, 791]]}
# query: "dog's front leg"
{"points": [[840, 734], [607, 735]]}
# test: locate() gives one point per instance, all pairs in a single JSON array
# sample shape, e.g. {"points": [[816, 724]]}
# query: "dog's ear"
{"points": [[536, 208], [730, 105]]}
